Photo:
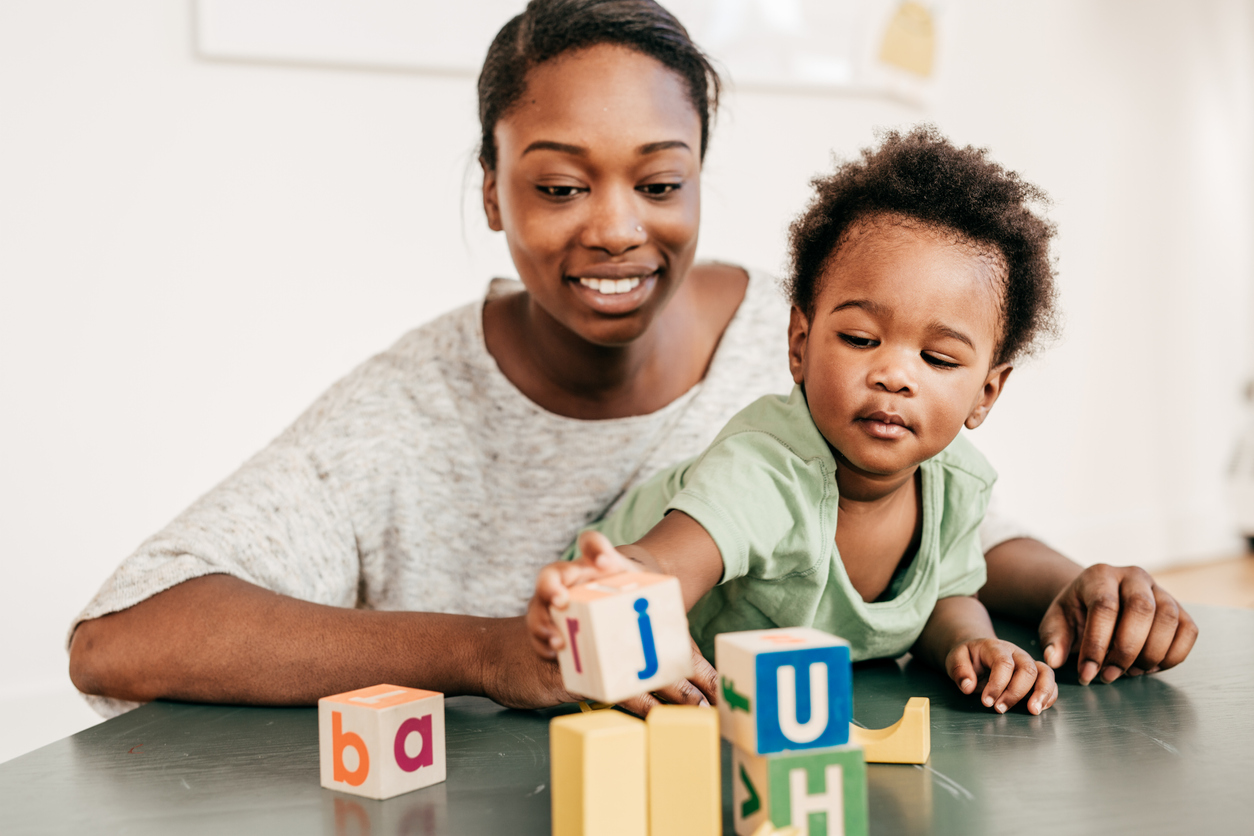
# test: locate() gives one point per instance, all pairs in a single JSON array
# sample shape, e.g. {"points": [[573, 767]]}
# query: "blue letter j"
{"points": [[646, 639]]}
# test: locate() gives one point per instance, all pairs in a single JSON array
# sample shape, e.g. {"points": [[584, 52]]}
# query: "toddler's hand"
{"points": [[1010, 672], [597, 559]]}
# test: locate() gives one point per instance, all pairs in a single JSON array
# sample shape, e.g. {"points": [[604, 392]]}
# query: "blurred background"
{"points": [[207, 215]]}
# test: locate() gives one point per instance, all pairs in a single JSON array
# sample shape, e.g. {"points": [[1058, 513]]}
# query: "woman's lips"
{"points": [[614, 294]]}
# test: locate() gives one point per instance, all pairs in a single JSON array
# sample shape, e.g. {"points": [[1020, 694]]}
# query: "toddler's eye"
{"points": [[560, 191], [658, 189], [859, 342], [933, 360]]}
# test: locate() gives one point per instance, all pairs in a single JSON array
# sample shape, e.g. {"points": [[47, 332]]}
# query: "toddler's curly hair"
{"points": [[922, 176]]}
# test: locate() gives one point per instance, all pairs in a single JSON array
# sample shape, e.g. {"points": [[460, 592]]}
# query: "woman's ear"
{"points": [[993, 385], [798, 333], [491, 205]]}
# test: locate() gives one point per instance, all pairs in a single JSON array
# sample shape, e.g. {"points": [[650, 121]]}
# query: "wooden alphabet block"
{"points": [[625, 635], [685, 787], [381, 741], [598, 779], [909, 740], [784, 689], [820, 792]]}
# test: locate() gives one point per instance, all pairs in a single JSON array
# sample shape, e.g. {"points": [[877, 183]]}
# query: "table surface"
{"points": [[1170, 753]]}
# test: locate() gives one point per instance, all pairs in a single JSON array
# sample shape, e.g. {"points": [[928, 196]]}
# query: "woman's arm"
{"points": [[220, 639], [1116, 618]]}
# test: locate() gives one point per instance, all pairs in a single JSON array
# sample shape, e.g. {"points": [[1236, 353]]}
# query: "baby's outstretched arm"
{"points": [[959, 638]]}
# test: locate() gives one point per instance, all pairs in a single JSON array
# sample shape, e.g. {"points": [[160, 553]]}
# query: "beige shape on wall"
{"points": [[910, 42]]}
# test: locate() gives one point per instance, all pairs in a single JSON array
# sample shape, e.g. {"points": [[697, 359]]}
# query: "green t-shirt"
{"points": [[765, 490]]}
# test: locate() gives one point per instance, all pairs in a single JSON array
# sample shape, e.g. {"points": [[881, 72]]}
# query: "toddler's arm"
{"points": [[959, 638]]}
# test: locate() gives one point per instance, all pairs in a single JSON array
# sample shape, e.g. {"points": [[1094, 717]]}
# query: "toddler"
{"points": [[919, 275]]}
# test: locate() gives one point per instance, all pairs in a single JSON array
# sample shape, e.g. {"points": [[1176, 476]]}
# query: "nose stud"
{"points": [[639, 229]]}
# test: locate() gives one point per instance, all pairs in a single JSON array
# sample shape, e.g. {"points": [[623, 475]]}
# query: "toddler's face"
{"points": [[898, 356]]}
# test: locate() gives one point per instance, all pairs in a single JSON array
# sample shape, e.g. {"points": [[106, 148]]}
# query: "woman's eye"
{"points": [[560, 191], [859, 342], [658, 189], [938, 362]]}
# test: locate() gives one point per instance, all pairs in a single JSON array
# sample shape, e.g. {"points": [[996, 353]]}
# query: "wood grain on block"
{"points": [[685, 787], [598, 774], [784, 689], [821, 792], [625, 635], [381, 741]]}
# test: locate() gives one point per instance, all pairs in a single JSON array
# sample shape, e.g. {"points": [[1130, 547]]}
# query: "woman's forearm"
{"points": [[1024, 577], [220, 639]]}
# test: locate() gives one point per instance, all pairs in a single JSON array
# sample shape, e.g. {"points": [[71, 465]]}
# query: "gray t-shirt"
{"points": [[424, 480]]}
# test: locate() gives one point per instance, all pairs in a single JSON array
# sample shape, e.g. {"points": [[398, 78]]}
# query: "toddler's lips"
{"points": [[884, 425]]}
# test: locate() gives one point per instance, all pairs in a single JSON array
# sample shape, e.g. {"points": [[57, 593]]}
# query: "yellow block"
{"points": [[598, 774], [684, 786], [909, 740]]}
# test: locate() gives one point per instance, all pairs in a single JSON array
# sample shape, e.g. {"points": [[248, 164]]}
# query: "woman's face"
{"points": [[597, 188]]}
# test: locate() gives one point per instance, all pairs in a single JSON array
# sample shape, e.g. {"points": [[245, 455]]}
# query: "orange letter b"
{"points": [[339, 742]]}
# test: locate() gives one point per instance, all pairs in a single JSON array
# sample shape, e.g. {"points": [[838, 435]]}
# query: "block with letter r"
{"points": [[625, 635], [784, 689]]}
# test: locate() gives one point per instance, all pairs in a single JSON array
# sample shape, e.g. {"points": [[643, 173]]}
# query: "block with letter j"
{"points": [[625, 635], [784, 689]]}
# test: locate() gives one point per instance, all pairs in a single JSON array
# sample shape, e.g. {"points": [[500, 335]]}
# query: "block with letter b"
{"points": [[625, 635], [819, 792], [381, 741], [784, 689]]}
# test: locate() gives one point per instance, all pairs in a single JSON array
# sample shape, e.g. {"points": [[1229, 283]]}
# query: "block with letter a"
{"points": [[381, 741], [625, 635], [820, 792], [784, 689]]}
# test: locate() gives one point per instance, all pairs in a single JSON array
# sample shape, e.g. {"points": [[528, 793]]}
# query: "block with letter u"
{"points": [[784, 689]]}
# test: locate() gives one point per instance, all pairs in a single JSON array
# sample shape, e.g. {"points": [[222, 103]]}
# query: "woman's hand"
{"points": [[700, 689], [1120, 621], [597, 559], [1007, 671]]}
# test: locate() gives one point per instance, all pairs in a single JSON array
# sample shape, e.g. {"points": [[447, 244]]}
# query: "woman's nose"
{"points": [[614, 225]]}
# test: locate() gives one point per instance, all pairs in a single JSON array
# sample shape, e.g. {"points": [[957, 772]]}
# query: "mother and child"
{"points": [[395, 532]]}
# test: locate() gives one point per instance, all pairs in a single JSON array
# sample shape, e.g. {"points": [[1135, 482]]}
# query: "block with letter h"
{"points": [[785, 703], [381, 741], [625, 635]]}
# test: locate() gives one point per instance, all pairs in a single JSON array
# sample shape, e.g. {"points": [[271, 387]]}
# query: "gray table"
{"points": [[1171, 753]]}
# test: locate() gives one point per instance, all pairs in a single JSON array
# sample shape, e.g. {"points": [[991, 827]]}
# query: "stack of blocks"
{"points": [[615, 775], [381, 741], [786, 702]]}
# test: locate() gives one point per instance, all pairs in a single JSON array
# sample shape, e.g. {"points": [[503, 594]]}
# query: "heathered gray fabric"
{"points": [[424, 480]]}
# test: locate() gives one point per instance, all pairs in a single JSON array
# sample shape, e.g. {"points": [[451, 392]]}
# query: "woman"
{"points": [[438, 477]]}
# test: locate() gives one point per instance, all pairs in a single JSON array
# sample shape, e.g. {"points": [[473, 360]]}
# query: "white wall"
{"points": [[190, 251]]}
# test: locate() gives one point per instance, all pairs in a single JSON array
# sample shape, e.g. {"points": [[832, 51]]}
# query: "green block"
{"points": [[820, 791]]}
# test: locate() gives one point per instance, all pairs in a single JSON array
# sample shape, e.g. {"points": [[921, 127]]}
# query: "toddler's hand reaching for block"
{"points": [[1008, 672]]}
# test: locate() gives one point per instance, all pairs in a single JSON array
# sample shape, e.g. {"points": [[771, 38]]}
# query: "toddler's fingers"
{"points": [[1020, 684], [1000, 669], [1045, 691], [545, 637], [958, 666], [552, 586], [597, 549]]}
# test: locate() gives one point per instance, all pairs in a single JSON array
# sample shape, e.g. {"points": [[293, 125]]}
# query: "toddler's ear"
{"points": [[798, 332], [993, 384]]}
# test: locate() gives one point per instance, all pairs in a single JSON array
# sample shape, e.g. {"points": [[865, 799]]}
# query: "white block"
{"points": [[625, 635], [784, 689], [381, 741]]}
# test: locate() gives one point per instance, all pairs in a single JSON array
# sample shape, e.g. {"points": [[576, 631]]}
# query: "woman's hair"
{"points": [[547, 29], [922, 176]]}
